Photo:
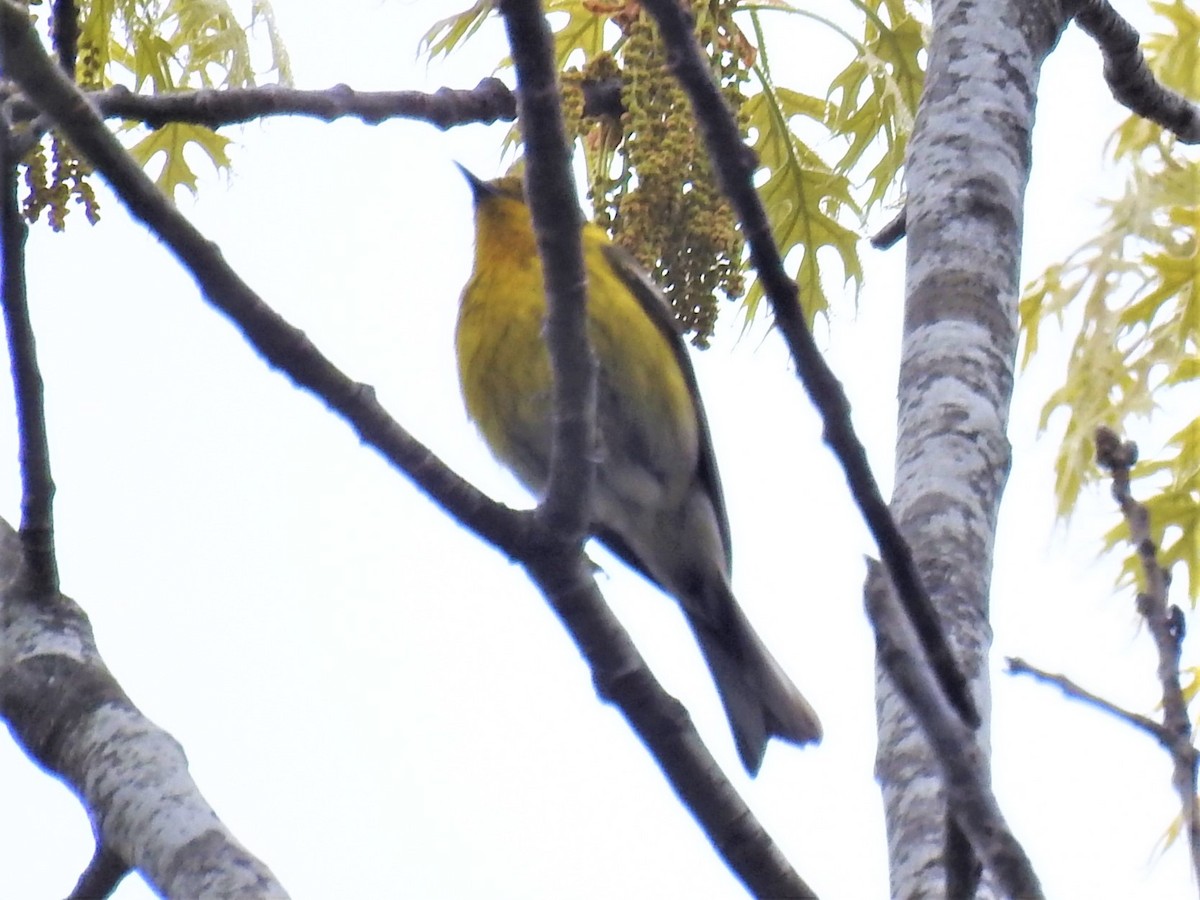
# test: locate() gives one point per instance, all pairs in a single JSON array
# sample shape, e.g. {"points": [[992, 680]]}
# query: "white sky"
{"points": [[377, 703]]}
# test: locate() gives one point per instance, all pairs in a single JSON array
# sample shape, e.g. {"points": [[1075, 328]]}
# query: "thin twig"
{"points": [[891, 233], [735, 164], [33, 452], [1018, 666], [1130, 79], [1118, 457]]}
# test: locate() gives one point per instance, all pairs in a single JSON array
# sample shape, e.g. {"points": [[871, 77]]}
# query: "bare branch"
{"points": [[664, 726], [1018, 666], [964, 767], [964, 871], [64, 34], [1130, 79], [891, 233], [566, 508], [105, 871], [489, 101], [33, 453], [69, 714], [1118, 457], [735, 164]]}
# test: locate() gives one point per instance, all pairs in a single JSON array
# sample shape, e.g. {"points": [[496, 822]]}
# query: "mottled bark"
{"points": [[968, 164], [68, 713]]}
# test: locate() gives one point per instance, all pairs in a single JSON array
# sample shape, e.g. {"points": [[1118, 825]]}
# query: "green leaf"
{"points": [[582, 31], [262, 11], [167, 45], [451, 32], [803, 196], [172, 140]]}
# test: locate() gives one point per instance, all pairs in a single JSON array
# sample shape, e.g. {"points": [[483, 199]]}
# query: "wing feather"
{"points": [[656, 308]]}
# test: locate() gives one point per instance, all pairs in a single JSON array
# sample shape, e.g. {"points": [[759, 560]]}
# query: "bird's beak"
{"points": [[479, 187]]}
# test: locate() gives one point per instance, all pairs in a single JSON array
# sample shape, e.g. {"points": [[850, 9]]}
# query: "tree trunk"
{"points": [[968, 164]]}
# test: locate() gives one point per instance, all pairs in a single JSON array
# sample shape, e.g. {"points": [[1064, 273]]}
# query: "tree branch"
{"points": [[64, 34], [557, 222], [487, 102], [105, 871], [891, 233], [1017, 666], [1132, 83], [964, 768], [33, 452], [735, 165], [1176, 735], [69, 714], [623, 678]]}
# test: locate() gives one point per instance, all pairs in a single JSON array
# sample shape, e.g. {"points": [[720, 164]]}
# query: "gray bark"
{"points": [[68, 713], [968, 164]]}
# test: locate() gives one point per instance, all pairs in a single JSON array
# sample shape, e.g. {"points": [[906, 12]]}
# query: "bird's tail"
{"points": [[760, 700]]}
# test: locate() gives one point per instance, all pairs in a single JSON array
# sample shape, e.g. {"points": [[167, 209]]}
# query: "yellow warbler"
{"points": [[657, 501]]}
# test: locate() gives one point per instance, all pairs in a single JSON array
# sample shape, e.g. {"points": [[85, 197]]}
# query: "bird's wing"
{"points": [[652, 301]]}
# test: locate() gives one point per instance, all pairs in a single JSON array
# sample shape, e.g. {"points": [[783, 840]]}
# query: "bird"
{"points": [[657, 501]]}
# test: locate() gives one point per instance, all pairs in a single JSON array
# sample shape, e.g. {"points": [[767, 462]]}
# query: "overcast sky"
{"points": [[377, 703]]}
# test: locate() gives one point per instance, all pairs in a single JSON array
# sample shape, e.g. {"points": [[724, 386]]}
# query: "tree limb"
{"points": [[664, 726], [64, 34], [557, 222], [487, 102], [67, 711], [1176, 735], [964, 769], [891, 233], [33, 452], [1132, 83], [105, 871]]}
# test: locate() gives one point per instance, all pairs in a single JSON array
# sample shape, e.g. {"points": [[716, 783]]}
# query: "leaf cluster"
{"points": [[1136, 287], [158, 46]]}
